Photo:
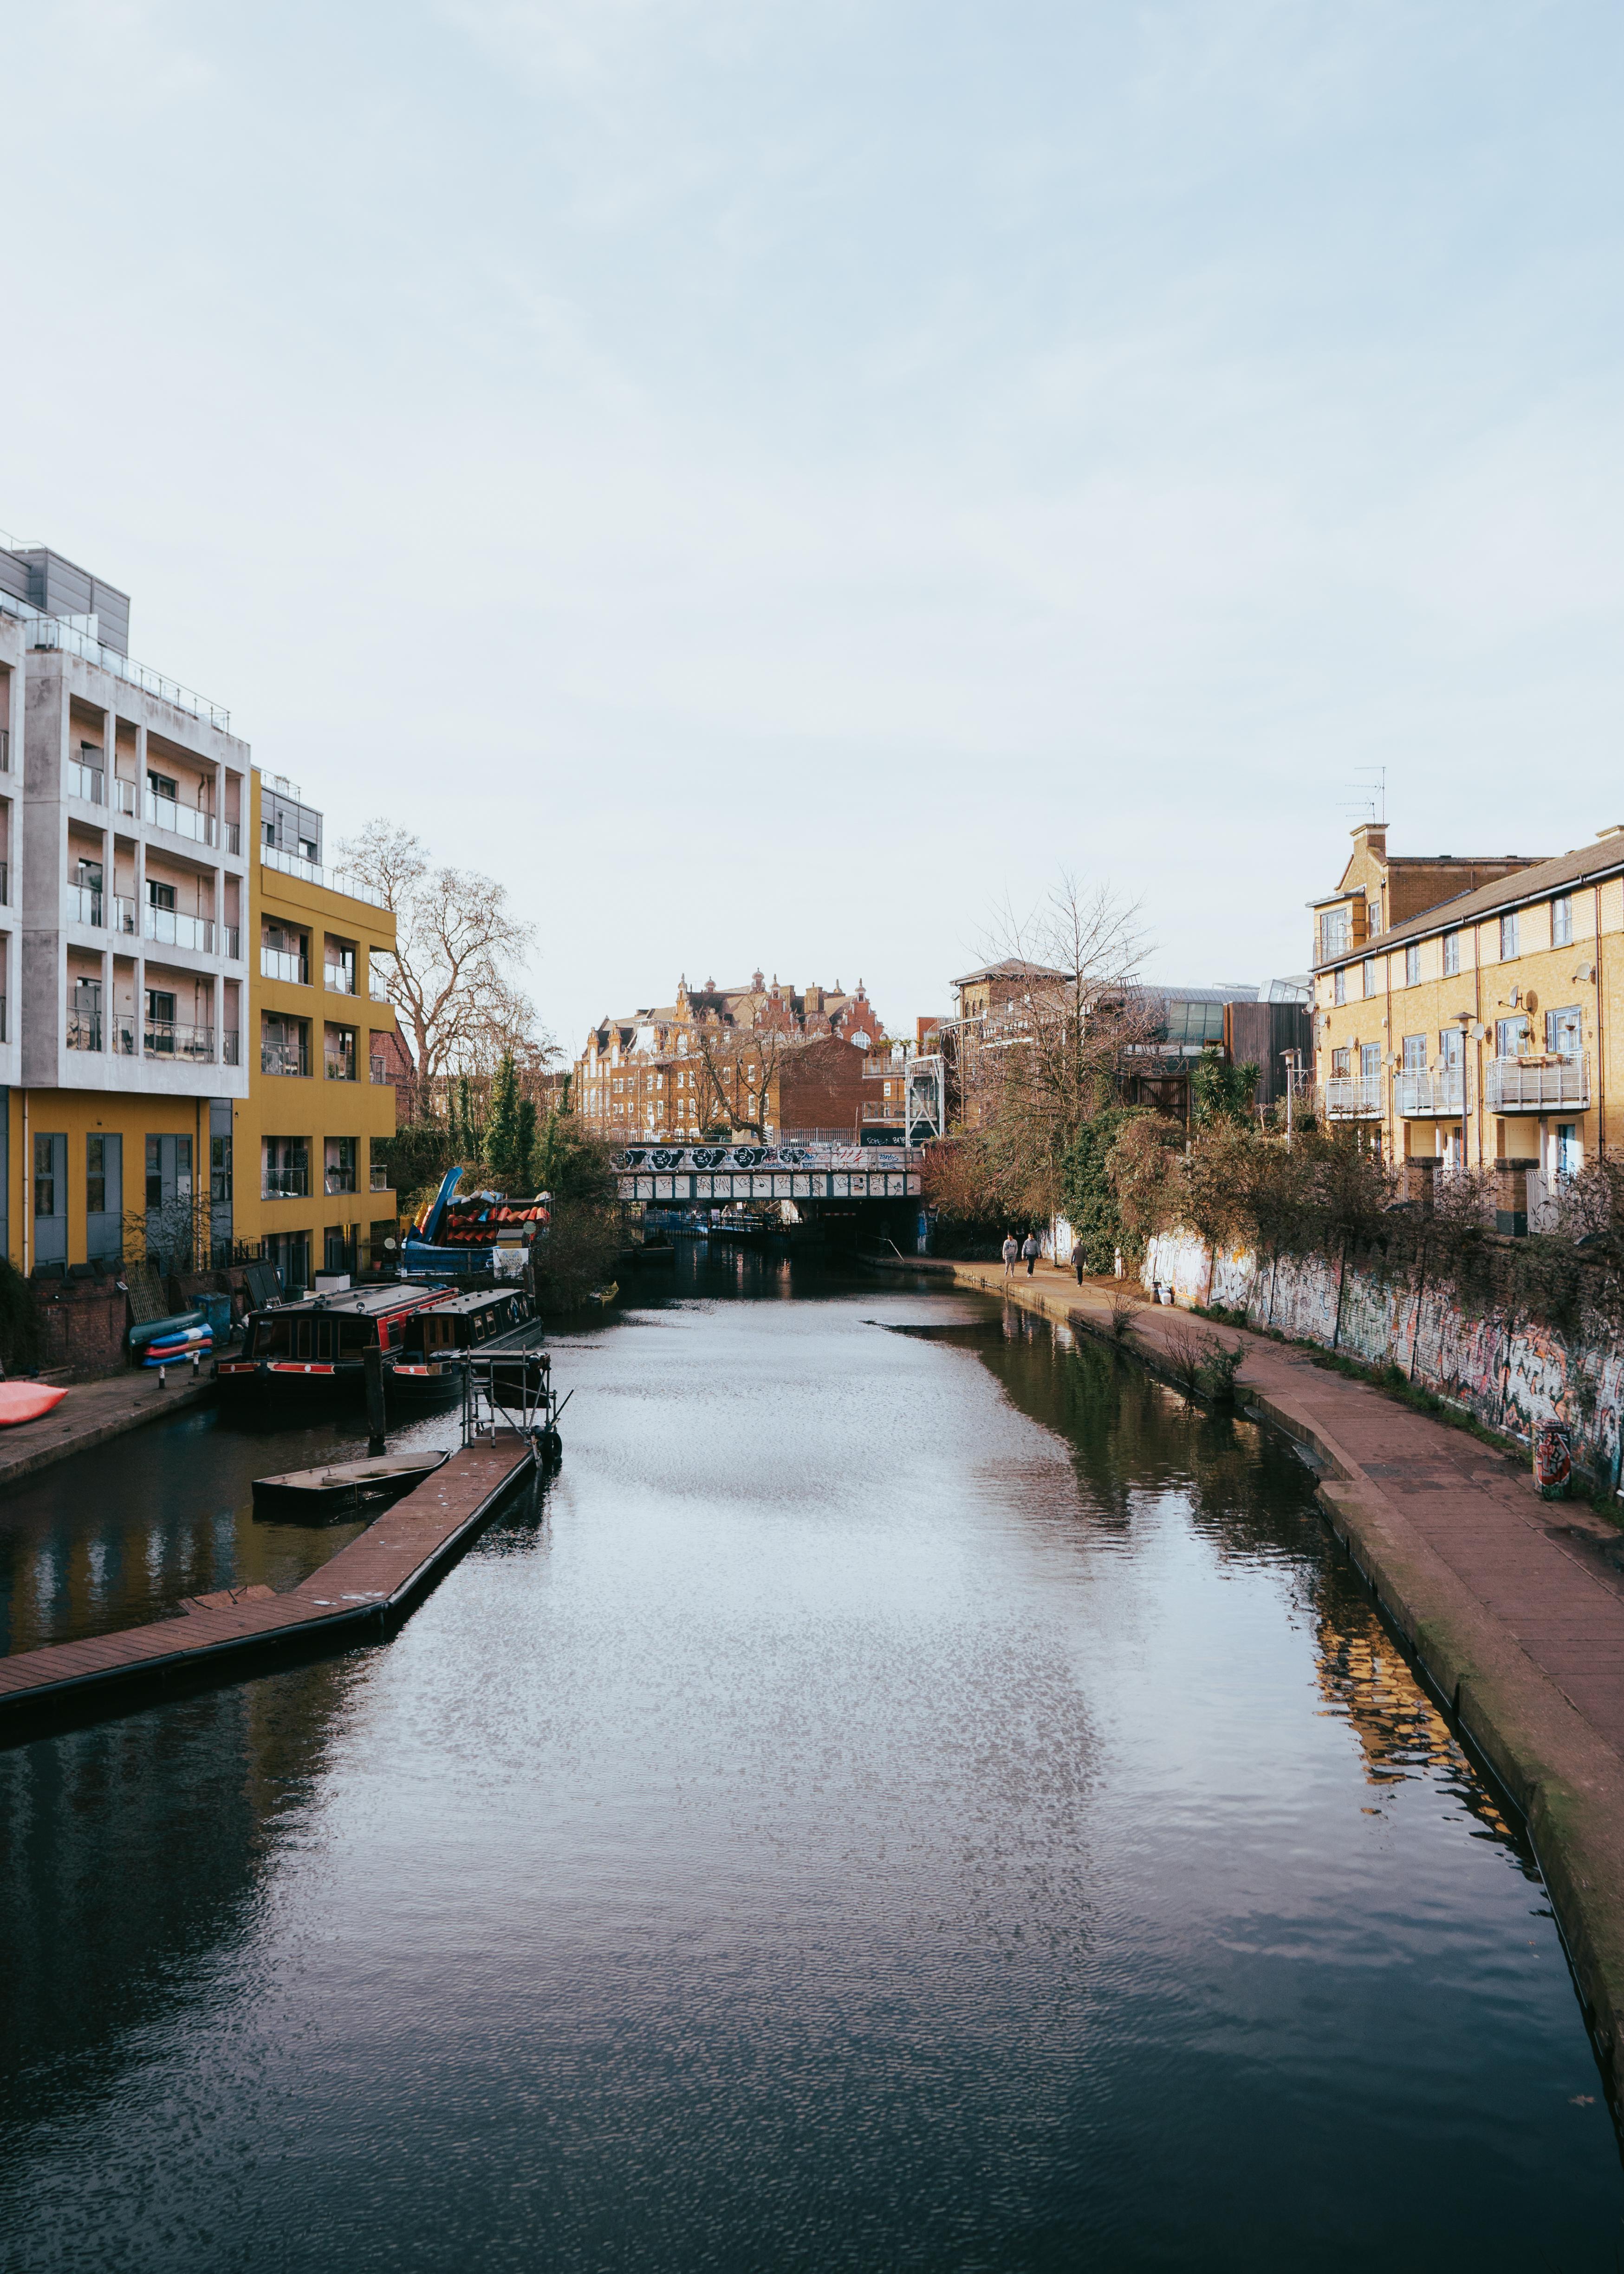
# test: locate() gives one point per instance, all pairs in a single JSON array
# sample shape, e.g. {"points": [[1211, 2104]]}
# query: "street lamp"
{"points": [[1465, 1019]]}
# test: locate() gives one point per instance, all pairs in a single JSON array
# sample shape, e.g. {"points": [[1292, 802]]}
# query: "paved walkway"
{"points": [[92, 1411], [1512, 1605]]}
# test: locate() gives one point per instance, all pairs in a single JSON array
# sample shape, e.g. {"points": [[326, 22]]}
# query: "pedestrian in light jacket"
{"points": [[1011, 1254], [1031, 1251]]}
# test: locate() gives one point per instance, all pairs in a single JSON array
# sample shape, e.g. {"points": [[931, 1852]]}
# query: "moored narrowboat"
{"points": [[428, 1369], [320, 1342]]}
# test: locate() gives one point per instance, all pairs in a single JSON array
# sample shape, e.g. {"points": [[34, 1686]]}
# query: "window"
{"points": [[1369, 975], [1370, 1060], [1412, 964], [341, 1165], [1508, 939], [1339, 990], [1333, 934], [1562, 1032], [1339, 1062], [284, 1044], [1452, 953], [154, 1172], [220, 1168], [95, 1176], [161, 784], [1569, 1154], [1452, 1046], [1372, 919], [340, 968], [267, 830], [1414, 1054], [159, 896], [286, 1168], [339, 1053], [44, 1176], [1561, 922], [1510, 1037], [309, 850]]}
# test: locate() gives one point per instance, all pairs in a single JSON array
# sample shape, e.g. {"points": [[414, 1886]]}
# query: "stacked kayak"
{"points": [[166, 1342]]}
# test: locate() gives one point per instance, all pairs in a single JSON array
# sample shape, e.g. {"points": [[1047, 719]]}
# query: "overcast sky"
{"points": [[771, 483]]}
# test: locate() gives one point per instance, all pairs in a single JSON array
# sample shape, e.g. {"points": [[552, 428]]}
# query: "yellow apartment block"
{"points": [[1472, 1010], [311, 1186]]}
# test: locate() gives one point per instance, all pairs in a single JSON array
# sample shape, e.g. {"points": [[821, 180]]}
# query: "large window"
{"points": [[1452, 1046], [1414, 1054], [95, 1176], [44, 1176], [1510, 1037], [1561, 922], [286, 1169], [341, 1165], [338, 1049], [284, 1044], [1562, 1032]]}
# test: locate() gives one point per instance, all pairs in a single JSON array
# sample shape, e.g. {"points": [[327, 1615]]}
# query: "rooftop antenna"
{"points": [[1368, 795]]}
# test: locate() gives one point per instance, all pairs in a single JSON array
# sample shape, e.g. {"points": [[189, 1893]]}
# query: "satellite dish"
{"points": [[390, 1244]]}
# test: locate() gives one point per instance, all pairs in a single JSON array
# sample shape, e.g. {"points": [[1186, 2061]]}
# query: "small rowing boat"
{"points": [[341, 1489]]}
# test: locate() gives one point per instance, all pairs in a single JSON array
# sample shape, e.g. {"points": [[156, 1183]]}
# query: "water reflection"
{"points": [[917, 1800]]}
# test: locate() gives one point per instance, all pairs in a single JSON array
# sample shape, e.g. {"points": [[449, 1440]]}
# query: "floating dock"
{"points": [[221, 1636]]}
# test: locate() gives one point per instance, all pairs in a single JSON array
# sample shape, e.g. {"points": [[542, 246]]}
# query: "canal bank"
{"points": [[92, 1413], [1511, 1607]]}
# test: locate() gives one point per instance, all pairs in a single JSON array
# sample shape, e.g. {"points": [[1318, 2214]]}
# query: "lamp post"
{"points": [[1465, 1019]]}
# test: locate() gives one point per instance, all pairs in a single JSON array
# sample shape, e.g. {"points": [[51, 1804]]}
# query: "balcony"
{"points": [[126, 798], [84, 1030], [293, 864], [180, 820], [283, 1058], [230, 1047], [275, 963], [85, 781], [170, 929], [1545, 1084], [377, 984], [124, 914], [339, 1066], [339, 979], [285, 1184], [1418, 1093], [165, 1038], [341, 1180], [380, 1169], [85, 904], [1354, 1098], [124, 1035]]}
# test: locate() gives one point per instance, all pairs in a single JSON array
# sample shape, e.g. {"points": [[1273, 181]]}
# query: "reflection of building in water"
{"points": [[1363, 1677]]}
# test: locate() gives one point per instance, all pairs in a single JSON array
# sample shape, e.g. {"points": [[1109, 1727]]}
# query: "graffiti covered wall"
{"points": [[1508, 1372]]}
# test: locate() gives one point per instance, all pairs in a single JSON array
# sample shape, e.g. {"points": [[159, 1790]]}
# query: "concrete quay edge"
{"points": [[1563, 1776], [125, 1401]]}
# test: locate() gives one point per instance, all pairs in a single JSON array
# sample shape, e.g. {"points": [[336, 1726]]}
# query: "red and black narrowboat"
{"points": [[321, 1342], [429, 1368]]}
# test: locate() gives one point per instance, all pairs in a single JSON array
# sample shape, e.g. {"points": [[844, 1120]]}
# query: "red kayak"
{"points": [[25, 1401]]}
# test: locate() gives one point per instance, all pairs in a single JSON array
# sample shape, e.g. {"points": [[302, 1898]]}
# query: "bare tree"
{"points": [[456, 942], [1043, 1061], [737, 1067]]}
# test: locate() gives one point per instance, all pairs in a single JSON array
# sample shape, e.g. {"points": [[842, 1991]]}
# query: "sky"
{"points": [[775, 486]]}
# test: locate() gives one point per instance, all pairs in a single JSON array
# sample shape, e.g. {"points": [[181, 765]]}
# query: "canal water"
{"points": [[907, 1794]]}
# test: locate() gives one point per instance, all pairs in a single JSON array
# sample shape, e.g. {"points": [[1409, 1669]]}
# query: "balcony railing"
{"points": [[339, 1066], [379, 1169], [124, 1035], [1354, 1098], [123, 913], [230, 1047], [85, 904], [341, 1180], [1536, 1085], [285, 1184], [294, 864], [1420, 1092], [170, 929], [283, 1058], [275, 963], [181, 820], [339, 980], [84, 1030], [377, 984], [167, 1038], [378, 1069], [126, 797], [85, 781], [45, 631]]}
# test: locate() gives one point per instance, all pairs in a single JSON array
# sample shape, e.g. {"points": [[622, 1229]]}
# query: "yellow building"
{"points": [[311, 1189], [1483, 1025]]}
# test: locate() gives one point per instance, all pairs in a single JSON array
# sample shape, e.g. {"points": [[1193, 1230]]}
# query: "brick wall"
{"points": [[820, 1085]]}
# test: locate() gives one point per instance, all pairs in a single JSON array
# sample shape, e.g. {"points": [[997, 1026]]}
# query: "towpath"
{"points": [[1513, 1606], [92, 1411]]}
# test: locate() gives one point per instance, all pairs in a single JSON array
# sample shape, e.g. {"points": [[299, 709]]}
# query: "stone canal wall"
{"points": [[1508, 1372]]}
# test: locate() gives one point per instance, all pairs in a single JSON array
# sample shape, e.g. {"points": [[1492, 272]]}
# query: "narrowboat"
{"points": [[319, 1343], [462, 1236], [428, 1370]]}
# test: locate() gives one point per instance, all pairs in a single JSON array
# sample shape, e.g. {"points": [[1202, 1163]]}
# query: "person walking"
{"points": [[1076, 1259], [1011, 1254], [1031, 1251]]}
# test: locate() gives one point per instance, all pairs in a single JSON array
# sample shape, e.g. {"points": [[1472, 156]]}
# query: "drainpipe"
{"points": [[1601, 1079], [1477, 1019], [27, 1194]]}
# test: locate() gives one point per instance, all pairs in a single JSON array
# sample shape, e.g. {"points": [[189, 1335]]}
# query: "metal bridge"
{"points": [[712, 1174]]}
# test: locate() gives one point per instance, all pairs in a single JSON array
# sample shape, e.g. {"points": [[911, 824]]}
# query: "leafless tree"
{"points": [[457, 942], [1040, 1065], [737, 1067]]}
